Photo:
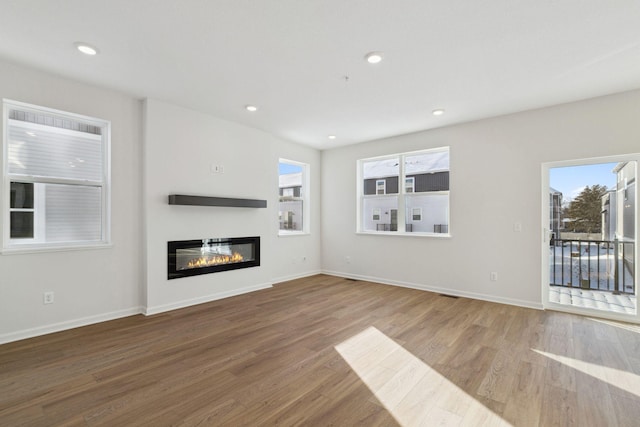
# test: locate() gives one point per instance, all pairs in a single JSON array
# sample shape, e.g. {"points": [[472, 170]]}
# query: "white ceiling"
{"points": [[475, 59]]}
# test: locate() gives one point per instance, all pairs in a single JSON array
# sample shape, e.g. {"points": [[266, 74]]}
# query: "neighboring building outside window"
{"points": [[409, 184], [419, 207], [293, 204], [57, 179]]}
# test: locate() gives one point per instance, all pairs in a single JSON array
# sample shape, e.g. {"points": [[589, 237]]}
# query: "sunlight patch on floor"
{"points": [[627, 381], [412, 392]]}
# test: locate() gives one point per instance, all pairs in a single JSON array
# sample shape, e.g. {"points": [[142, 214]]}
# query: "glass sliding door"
{"points": [[589, 236]]}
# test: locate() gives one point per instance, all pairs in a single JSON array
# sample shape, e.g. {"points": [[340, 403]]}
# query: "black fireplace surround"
{"points": [[193, 257]]}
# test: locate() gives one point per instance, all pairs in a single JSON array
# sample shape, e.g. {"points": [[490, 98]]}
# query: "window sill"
{"points": [[396, 233], [32, 249], [293, 233]]}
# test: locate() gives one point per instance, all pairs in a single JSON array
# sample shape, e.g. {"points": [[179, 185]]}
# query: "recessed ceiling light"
{"points": [[86, 49], [251, 108], [331, 137], [438, 112], [373, 57]]}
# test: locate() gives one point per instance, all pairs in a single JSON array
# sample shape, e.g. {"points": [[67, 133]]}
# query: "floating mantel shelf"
{"points": [[181, 199]]}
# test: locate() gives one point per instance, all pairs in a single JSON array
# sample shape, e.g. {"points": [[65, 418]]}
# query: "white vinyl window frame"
{"points": [[376, 214], [409, 184], [401, 196], [305, 198], [38, 243]]}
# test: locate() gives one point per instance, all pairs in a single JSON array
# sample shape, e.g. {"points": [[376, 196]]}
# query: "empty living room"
{"points": [[319, 213]]}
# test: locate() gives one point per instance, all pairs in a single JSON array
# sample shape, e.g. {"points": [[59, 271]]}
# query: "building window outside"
{"points": [[409, 184], [419, 207], [416, 214], [57, 179], [376, 215], [293, 204], [287, 192]]}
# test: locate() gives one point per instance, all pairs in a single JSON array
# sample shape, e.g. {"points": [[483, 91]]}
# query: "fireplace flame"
{"points": [[207, 261]]}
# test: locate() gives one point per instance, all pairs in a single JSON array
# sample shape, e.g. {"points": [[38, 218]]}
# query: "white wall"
{"points": [[89, 285], [495, 182], [180, 147]]}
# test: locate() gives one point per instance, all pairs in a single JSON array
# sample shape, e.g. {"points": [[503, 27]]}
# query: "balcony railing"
{"points": [[285, 225], [393, 227], [606, 265]]}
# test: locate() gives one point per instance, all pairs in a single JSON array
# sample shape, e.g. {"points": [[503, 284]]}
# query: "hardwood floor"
{"points": [[329, 351]]}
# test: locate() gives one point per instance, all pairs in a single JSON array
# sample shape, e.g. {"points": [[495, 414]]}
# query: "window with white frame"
{"points": [[409, 184], [420, 206], [293, 204], [56, 178]]}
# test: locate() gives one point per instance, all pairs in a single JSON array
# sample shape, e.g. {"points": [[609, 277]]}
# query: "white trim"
{"points": [[603, 314], [436, 289], [305, 197], [36, 244], [544, 285], [147, 311], [413, 184], [281, 279], [401, 195], [35, 249], [290, 233], [405, 234], [68, 324]]}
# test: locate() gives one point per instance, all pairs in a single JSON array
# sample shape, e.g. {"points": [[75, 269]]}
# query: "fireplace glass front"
{"points": [[194, 257]]}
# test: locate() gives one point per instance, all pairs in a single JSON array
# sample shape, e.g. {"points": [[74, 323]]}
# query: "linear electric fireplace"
{"points": [[194, 257]]}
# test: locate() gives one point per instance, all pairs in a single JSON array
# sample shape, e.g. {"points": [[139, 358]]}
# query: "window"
{"points": [[409, 184], [56, 171], [287, 192], [293, 205], [416, 214], [419, 207]]}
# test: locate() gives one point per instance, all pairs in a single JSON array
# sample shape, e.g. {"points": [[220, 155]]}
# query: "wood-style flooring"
{"points": [[326, 351]]}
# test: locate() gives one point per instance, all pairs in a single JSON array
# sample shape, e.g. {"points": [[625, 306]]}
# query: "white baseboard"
{"points": [[296, 276], [76, 323], [148, 311], [69, 324], [446, 291]]}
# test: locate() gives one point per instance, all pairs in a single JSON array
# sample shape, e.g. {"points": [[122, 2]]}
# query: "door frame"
{"points": [[548, 305]]}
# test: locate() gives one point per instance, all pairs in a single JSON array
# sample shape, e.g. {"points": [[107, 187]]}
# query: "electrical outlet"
{"points": [[493, 276], [347, 259], [517, 227], [47, 298]]}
